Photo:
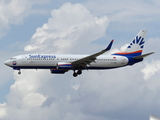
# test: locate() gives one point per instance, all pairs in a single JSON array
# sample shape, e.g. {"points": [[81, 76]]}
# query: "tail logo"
{"points": [[139, 41]]}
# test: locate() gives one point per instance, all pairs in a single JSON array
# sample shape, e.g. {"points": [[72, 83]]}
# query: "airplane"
{"points": [[60, 64]]}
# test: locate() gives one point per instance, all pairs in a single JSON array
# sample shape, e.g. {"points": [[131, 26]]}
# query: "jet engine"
{"points": [[64, 66]]}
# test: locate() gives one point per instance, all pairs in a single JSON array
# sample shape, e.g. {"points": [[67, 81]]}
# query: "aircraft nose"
{"points": [[7, 63]]}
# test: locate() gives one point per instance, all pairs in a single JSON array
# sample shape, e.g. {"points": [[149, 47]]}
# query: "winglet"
{"points": [[109, 46]]}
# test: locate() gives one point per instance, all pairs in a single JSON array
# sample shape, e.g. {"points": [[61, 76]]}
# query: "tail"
{"points": [[136, 46], [137, 43], [135, 49]]}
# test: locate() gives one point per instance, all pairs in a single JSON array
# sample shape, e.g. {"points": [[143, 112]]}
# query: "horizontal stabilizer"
{"points": [[142, 56]]}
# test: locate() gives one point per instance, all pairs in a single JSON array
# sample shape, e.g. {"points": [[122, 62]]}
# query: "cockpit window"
{"points": [[12, 58]]}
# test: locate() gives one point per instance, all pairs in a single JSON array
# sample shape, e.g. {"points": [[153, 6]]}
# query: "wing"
{"points": [[82, 63]]}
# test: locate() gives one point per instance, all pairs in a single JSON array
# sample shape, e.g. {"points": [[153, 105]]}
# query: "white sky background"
{"points": [[83, 27]]}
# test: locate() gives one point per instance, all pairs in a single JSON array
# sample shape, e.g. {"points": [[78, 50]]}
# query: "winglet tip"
{"points": [[110, 45]]}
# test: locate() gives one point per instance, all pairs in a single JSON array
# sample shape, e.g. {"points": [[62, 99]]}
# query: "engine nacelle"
{"points": [[64, 66], [55, 71]]}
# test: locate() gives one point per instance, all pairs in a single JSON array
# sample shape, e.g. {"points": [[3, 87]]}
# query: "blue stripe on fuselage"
{"points": [[132, 61], [54, 67], [128, 55]]}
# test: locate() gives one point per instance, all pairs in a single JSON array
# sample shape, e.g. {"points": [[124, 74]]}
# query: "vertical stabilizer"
{"points": [[135, 48], [137, 43]]}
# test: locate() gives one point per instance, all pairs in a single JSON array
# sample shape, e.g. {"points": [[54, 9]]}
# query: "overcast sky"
{"points": [[82, 26]]}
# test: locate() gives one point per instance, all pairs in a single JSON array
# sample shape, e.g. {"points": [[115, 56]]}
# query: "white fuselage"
{"points": [[49, 61]]}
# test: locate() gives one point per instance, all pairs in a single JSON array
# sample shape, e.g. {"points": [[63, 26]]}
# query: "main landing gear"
{"points": [[77, 73]]}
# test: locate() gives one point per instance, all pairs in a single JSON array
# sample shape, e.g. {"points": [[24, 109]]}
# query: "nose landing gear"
{"points": [[19, 72]]}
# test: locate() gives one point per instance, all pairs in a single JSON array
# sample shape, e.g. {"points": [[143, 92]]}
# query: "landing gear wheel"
{"points": [[79, 72], [75, 74], [19, 72]]}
